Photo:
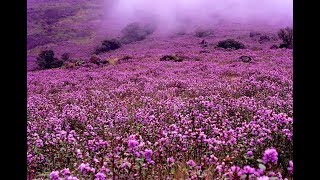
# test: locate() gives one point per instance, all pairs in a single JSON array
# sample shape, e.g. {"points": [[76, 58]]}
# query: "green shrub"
{"points": [[230, 44], [286, 35], [136, 32], [46, 60], [108, 45]]}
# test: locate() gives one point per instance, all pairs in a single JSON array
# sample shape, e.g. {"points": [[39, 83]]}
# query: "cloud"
{"points": [[174, 14]]}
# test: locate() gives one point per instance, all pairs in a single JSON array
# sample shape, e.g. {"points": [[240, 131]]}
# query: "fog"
{"points": [[172, 15]]}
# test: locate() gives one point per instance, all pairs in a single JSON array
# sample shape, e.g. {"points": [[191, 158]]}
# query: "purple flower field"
{"points": [[211, 116]]}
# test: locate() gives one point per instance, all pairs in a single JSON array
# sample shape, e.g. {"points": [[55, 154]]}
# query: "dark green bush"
{"points": [[255, 34], [65, 57], [264, 39], [286, 35], [230, 44], [108, 45], [46, 60], [136, 32], [203, 32], [172, 57]]}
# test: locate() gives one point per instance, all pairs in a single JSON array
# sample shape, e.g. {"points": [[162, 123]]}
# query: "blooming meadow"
{"points": [[211, 118]]}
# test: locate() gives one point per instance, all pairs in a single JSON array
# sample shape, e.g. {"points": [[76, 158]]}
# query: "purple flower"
{"points": [[290, 168], [219, 168], [191, 163], [170, 160], [137, 154], [249, 153], [79, 154], [271, 173], [263, 178], [66, 172], [132, 143], [213, 158], [107, 170], [39, 143], [236, 171], [54, 175], [93, 170], [72, 178], [96, 160], [104, 169], [125, 165], [100, 176], [270, 155], [259, 172], [82, 167], [147, 153], [248, 170], [150, 161], [29, 158], [235, 168]]}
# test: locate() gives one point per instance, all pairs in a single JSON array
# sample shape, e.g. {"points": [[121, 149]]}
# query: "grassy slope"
{"points": [[65, 24]]}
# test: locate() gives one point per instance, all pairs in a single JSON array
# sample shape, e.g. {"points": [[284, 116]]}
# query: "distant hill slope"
{"points": [[53, 21]]}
